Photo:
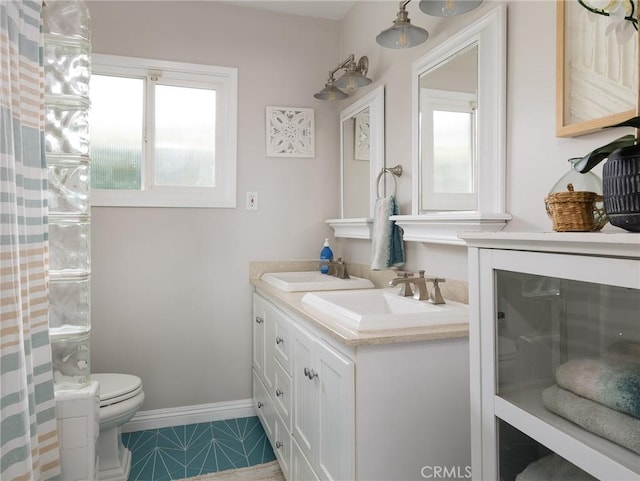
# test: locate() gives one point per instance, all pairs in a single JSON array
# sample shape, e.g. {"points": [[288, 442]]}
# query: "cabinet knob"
{"points": [[279, 340], [260, 404], [259, 320], [279, 393], [310, 373], [279, 444]]}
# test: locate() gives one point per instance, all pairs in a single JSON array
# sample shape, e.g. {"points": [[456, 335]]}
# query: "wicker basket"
{"points": [[573, 211]]}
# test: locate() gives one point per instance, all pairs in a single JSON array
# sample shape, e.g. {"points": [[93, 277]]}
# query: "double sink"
{"points": [[354, 304]]}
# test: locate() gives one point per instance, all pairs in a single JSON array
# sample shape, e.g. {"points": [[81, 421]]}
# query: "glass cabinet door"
{"points": [[564, 336]]}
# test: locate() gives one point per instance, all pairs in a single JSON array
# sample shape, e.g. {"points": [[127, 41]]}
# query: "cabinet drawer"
{"points": [[264, 407], [282, 394], [258, 334], [282, 446], [282, 342]]}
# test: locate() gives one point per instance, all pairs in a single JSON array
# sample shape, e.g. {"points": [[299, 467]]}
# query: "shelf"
{"points": [[601, 458], [605, 243], [352, 228], [445, 227]]}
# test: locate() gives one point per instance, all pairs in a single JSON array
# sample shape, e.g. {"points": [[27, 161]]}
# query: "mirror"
{"points": [[356, 162], [361, 160], [448, 137], [599, 70], [458, 134]]}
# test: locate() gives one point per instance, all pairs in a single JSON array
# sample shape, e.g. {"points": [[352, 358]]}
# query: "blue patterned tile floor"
{"points": [[185, 451]]}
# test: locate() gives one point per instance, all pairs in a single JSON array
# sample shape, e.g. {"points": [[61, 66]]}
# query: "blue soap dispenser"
{"points": [[326, 255]]}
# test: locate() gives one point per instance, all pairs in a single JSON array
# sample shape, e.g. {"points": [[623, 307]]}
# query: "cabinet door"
{"points": [[336, 419], [301, 470], [305, 398], [323, 412], [258, 334]]}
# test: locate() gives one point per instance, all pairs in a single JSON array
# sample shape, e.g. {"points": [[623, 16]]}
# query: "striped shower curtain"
{"points": [[29, 447]]}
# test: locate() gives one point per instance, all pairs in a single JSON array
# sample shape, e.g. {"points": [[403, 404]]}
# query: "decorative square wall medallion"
{"points": [[290, 132]]}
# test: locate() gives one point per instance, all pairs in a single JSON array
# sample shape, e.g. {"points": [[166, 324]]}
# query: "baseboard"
{"points": [[200, 413]]}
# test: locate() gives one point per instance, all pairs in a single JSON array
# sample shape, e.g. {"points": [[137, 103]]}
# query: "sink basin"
{"points": [[312, 281], [375, 309]]}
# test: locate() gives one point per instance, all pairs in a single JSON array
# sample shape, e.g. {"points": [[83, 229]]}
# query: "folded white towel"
{"points": [[553, 468], [608, 423], [387, 249]]}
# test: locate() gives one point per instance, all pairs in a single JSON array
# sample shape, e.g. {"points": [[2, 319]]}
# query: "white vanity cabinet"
{"points": [[555, 324], [380, 409]]}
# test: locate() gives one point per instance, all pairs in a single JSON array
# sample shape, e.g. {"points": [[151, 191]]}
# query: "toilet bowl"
{"points": [[121, 396]]}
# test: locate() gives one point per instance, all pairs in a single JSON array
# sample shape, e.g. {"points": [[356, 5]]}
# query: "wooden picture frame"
{"points": [[578, 33]]}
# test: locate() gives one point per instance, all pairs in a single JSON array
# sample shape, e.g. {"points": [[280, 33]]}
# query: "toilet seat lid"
{"points": [[117, 387]]}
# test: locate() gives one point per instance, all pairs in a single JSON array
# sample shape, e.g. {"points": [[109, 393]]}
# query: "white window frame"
{"points": [[224, 80]]}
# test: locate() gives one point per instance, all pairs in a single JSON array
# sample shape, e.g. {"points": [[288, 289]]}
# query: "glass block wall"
{"points": [[67, 69]]}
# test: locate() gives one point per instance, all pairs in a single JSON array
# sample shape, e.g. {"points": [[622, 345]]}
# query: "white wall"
{"points": [[536, 158], [171, 299]]}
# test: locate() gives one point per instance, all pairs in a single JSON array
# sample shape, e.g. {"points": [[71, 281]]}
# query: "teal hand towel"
{"points": [[387, 249]]}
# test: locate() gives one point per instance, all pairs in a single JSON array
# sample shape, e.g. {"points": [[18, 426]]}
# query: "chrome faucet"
{"points": [[337, 268], [341, 269], [420, 283], [405, 282]]}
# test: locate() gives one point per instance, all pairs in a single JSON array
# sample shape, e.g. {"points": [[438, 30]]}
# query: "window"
{"points": [[448, 148], [163, 134]]}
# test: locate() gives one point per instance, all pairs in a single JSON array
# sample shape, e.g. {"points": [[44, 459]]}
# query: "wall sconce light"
{"points": [[447, 8], [353, 78], [402, 34]]}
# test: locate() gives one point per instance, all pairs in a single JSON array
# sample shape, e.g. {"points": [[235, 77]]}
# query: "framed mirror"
{"points": [[599, 70], [361, 159], [458, 134]]}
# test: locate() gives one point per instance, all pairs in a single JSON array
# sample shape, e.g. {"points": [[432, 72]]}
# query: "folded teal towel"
{"points": [[608, 423], [553, 468], [387, 249], [612, 380]]}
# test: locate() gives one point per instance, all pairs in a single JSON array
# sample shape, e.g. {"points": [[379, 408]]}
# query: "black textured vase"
{"points": [[621, 188]]}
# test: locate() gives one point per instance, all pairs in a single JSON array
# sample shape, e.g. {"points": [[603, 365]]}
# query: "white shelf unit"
{"points": [[606, 265]]}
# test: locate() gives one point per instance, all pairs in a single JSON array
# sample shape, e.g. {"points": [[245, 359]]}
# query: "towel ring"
{"points": [[395, 171]]}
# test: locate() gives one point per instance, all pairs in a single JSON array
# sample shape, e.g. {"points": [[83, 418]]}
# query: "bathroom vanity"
{"points": [[554, 325], [343, 405]]}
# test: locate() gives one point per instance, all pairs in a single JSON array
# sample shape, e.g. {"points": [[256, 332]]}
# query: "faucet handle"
{"points": [[341, 269], [435, 296]]}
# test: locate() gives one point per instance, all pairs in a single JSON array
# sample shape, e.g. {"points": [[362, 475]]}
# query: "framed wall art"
{"points": [[290, 132], [596, 68]]}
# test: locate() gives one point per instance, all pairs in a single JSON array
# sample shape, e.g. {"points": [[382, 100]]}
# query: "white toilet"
{"points": [[121, 396]]}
